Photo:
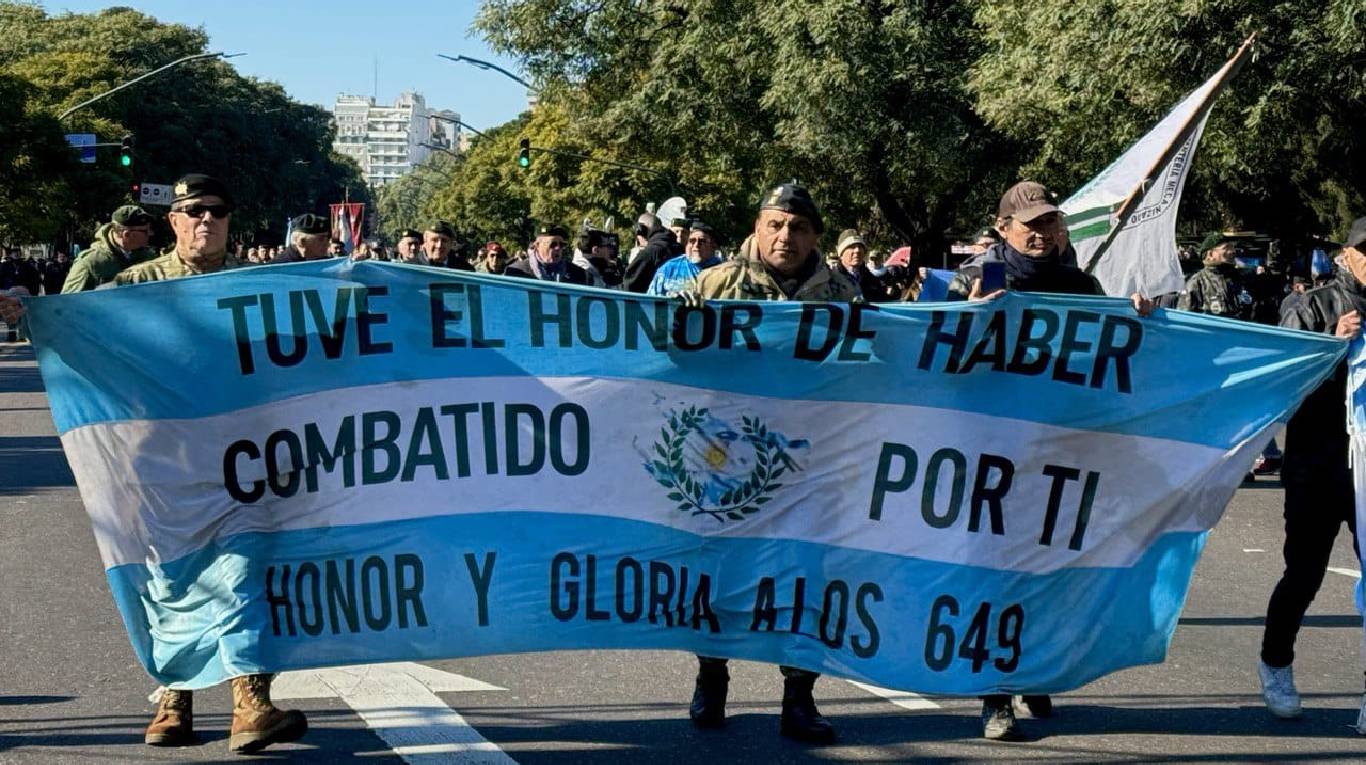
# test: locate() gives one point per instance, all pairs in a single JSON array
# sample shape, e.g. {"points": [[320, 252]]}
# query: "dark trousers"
{"points": [[1313, 515], [710, 663]]}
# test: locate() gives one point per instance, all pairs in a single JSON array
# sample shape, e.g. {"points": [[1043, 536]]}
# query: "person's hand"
{"points": [[1142, 305], [11, 307], [1349, 326], [358, 255], [976, 292], [691, 298]]}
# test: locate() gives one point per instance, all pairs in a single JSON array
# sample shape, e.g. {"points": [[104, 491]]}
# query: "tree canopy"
{"points": [[276, 154]]}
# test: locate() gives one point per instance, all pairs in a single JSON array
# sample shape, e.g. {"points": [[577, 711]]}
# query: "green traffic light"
{"points": [[126, 160], [524, 161]]}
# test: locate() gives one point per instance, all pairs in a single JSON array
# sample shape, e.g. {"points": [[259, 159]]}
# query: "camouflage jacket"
{"points": [[746, 279], [102, 262], [1218, 291], [168, 266]]}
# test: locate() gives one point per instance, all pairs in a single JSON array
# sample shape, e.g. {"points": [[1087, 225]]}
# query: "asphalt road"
{"points": [[70, 690]]}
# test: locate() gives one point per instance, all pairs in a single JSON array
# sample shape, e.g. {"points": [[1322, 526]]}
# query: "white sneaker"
{"points": [[1278, 688], [1361, 717]]}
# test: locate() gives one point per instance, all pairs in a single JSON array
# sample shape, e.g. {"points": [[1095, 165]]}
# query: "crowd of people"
{"points": [[1027, 249]]}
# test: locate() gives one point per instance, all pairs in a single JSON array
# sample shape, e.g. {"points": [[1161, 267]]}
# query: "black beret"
{"points": [[699, 226], [131, 215], [195, 185], [1214, 239], [410, 232], [553, 230], [443, 228], [794, 199], [308, 223]]}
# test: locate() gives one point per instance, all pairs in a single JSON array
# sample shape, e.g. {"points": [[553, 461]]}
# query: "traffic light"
{"points": [[126, 151], [524, 154], [137, 190]]}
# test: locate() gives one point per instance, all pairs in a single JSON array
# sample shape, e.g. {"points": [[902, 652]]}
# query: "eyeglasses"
{"points": [[698, 240], [197, 211]]}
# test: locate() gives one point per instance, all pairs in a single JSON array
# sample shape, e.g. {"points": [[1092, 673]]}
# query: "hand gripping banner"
{"points": [[328, 463]]}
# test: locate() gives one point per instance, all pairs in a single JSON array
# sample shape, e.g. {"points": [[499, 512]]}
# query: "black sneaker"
{"points": [[999, 723]]}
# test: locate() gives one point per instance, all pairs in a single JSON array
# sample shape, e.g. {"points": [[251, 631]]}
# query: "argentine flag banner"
{"points": [[327, 463]]}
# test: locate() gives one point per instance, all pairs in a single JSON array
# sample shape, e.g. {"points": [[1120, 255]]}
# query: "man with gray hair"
{"points": [[308, 239]]}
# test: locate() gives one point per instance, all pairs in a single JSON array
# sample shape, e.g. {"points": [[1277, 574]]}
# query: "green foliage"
{"points": [[201, 116], [1283, 150], [35, 163]]}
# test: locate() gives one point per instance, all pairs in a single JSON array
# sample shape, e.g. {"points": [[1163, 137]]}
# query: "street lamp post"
{"points": [[464, 125], [490, 67], [142, 77]]}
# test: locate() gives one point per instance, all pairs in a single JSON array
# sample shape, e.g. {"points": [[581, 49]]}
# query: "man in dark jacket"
{"points": [[308, 240], [660, 247], [1319, 494], [547, 260], [54, 273], [1034, 238], [853, 263], [439, 246]]}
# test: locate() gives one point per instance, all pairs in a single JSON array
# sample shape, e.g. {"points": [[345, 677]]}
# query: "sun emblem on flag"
{"points": [[710, 467]]}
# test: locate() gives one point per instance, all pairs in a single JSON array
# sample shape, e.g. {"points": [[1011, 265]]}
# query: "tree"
{"points": [[865, 102], [1282, 152], [273, 152], [35, 163]]}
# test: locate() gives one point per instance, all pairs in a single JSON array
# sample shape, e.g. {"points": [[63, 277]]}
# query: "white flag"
{"points": [[1142, 257]]}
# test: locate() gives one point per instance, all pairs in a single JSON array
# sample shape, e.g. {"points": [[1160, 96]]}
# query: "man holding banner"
{"points": [[786, 266], [1317, 475], [200, 215], [1030, 257]]}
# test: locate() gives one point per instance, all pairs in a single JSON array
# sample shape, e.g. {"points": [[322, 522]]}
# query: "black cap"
{"points": [[131, 215], [443, 228], [308, 223], [794, 199], [410, 232], [698, 225], [553, 230], [606, 239], [1213, 240], [1357, 235], [195, 185]]}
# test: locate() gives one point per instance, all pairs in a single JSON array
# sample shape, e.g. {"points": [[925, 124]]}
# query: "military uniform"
{"points": [[1217, 290], [749, 279], [168, 266], [105, 260]]}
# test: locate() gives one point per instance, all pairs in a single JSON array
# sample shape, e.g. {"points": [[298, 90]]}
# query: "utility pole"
{"points": [[142, 77]]}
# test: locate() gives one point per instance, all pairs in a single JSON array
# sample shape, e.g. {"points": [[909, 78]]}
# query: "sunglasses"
{"points": [[197, 211]]}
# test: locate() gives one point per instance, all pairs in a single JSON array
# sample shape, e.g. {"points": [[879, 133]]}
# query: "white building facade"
{"points": [[388, 141]]}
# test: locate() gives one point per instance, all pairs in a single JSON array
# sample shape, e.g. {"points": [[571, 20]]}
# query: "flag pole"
{"points": [[1231, 68]]}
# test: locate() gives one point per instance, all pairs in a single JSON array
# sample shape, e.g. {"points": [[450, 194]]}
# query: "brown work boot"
{"points": [[174, 723], [256, 723]]}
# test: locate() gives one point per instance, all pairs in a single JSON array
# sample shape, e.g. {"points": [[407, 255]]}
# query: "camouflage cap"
{"points": [[848, 238], [131, 215], [794, 199]]}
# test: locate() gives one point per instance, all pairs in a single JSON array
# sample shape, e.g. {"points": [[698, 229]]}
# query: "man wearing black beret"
{"points": [[782, 264], [120, 243], [308, 236], [547, 260], [438, 245], [409, 248]]}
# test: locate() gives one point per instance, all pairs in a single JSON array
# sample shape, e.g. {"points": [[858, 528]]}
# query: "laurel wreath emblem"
{"points": [[771, 462]]}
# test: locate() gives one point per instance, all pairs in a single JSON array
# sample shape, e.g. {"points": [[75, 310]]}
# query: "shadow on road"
{"points": [[32, 462], [19, 379]]}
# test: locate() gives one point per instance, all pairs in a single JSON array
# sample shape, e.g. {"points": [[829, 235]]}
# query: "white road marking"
{"points": [[903, 699], [1345, 572], [1253, 549], [399, 703]]}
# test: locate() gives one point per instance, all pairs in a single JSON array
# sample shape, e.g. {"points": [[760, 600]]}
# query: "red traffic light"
{"points": [[137, 189]]}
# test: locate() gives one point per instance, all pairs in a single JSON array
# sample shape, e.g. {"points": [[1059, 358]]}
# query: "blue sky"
{"points": [[319, 49]]}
